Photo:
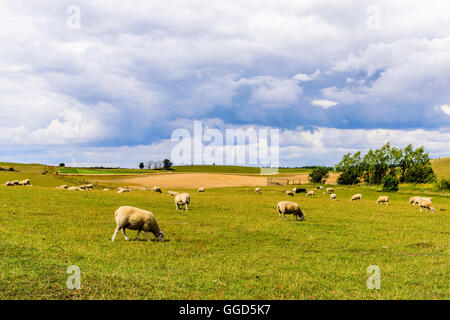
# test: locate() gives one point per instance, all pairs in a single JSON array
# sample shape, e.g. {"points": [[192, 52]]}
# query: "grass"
{"points": [[230, 245], [441, 167], [87, 171]]}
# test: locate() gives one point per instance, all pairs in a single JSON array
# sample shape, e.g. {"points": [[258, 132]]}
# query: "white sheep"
{"points": [[414, 200], [294, 190], [333, 196], [25, 182], [357, 196], [136, 219], [201, 189], [90, 186], [106, 189], [122, 190], [330, 190], [257, 190], [382, 199], [289, 207], [15, 182], [64, 186], [428, 205], [75, 189], [289, 193], [181, 200], [9, 184], [310, 193], [172, 193], [157, 189]]}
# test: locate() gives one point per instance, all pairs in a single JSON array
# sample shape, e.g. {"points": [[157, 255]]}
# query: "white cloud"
{"points": [[324, 103], [445, 109]]}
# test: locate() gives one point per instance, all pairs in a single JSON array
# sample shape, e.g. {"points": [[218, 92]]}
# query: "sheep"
{"points": [[157, 189], [83, 186], [182, 199], [15, 182], [310, 194], [105, 189], [333, 196], [201, 189], [90, 186], [136, 219], [64, 186], [294, 190], [384, 199], [257, 190], [289, 193], [172, 193], [122, 190], [414, 200], [356, 197], [75, 189], [428, 205], [289, 207], [24, 182], [9, 184], [330, 190], [417, 200]]}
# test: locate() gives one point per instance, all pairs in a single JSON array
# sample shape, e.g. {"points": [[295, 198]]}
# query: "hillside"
{"points": [[441, 167]]}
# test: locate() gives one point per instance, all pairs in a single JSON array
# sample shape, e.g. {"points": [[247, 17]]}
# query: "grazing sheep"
{"points": [[64, 186], [136, 219], [333, 196], [310, 194], [357, 196], [75, 189], [417, 200], [289, 193], [105, 189], [201, 189], [89, 186], [428, 205], [122, 190], [172, 193], [15, 182], [181, 200], [330, 190], [289, 207], [257, 190], [9, 184], [294, 190], [25, 182], [157, 189], [414, 200], [382, 199]]}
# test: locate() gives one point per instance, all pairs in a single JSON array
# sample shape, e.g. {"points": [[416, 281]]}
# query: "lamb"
{"points": [[201, 189], [181, 200], [136, 219], [417, 200], [333, 196], [25, 182], [157, 189], [75, 189], [330, 190], [257, 190], [428, 205], [310, 194], [289, 207], [289, 193], [384, 199], [9, 184], [357, 196]]}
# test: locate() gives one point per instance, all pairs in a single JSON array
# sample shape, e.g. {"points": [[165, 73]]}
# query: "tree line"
{"points": [[165, 164]]}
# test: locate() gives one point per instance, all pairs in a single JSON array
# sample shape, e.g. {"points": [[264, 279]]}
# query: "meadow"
{"points": [[229, 245]]}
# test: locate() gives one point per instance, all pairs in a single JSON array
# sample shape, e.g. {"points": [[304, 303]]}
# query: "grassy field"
{"points": [[86, 171], [442, 167], [229, 245]]}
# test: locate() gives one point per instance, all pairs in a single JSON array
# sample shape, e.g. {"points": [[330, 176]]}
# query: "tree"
{"points": [[351, 168], [319, 175], [62, 164], [141, 165], [167, 164]]}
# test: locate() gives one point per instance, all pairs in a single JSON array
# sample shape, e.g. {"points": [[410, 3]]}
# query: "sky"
{"points": [[107, 82]]}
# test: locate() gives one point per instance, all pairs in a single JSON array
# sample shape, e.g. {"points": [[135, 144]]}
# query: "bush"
{"points": [[390, 183], [62, 164], [319, 175], [167, 164], [444, 184]]}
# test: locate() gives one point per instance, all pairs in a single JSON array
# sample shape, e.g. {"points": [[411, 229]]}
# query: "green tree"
{"points": [[319, 175], [390, 183], [351, 168], [167, 164], [141, 165]]}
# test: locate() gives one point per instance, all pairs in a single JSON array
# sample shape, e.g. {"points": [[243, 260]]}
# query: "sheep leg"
{"points": [[115, 234], [148, 236], [137, 236], [124, 234], [186, 207]]}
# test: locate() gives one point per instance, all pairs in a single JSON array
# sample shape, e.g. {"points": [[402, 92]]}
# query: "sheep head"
{"points": [[160, 236]]}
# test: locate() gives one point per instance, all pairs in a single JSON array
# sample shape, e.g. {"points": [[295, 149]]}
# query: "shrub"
{"points": [[167, 164], [390, 183], [62, 164], [348, 177], [319, 175]]}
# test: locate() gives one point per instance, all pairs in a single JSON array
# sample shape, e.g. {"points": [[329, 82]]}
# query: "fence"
{"points": [[277, 181]]}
